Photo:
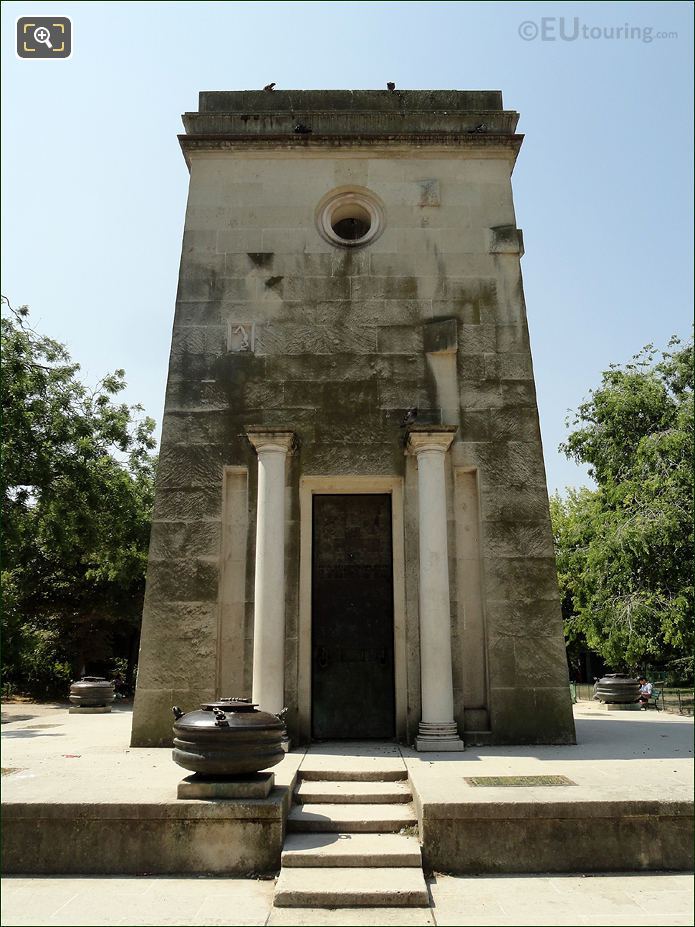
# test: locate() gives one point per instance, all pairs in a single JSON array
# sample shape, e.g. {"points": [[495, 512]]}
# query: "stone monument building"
{"points": [[351, 515]]}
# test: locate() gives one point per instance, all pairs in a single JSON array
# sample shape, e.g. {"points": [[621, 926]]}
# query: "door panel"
{"points": [[352, 618]]}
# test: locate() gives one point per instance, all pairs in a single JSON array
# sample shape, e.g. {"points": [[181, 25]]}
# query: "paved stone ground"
{"points": [[56, 756], [664, 898], [622, 755]]}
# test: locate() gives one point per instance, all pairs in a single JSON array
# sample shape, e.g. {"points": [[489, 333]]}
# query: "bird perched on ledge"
{"points": [[482, 127], [269, 87], [390, 86], [301, 129], [409, 417]]}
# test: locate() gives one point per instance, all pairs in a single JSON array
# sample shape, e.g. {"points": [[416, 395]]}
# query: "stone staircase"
{"points": [[351, 839]]}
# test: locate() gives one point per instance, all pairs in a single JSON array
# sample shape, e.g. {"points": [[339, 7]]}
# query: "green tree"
{"points": [[77, 481], [625, 549]]}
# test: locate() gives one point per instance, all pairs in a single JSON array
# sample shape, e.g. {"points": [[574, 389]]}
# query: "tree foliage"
{"points": [[77, 482], [625, 549]]}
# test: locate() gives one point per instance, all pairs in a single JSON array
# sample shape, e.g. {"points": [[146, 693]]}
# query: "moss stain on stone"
{"points": [[401, 288], [260, 258]]}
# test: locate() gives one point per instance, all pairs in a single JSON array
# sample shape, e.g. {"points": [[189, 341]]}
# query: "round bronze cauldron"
{"points": [[229, 737], [92, 692], [617, 689]]}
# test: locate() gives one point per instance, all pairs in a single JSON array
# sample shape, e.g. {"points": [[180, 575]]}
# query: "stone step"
{"points": [[351, 850], [331, 764], [334, 774], [373, 819], [365, 793], [338, 888]]}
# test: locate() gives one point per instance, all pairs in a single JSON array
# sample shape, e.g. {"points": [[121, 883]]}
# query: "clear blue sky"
{"points": [[95, 184]]}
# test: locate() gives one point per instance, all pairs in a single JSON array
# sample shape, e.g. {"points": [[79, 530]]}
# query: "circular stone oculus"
{"points": [[350, 218]]}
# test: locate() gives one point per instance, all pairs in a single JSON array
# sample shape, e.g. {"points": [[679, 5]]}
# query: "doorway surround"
{"points": [[309, 486]]}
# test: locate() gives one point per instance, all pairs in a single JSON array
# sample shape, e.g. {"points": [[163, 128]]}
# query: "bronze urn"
{"points": [[92, 692], [617, 689], [229, 737]]}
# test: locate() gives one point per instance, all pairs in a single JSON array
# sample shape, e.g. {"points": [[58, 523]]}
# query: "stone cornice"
{"points": [[291, 142], [305, 120], [350, 124]]}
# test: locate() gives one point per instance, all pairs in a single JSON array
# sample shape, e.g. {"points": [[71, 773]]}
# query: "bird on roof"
{"points": [[301, 129], [390, 86], [482, 127], [269, 87]]}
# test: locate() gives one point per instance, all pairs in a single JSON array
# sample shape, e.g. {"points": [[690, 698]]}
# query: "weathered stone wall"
{"points": [[99, 838], [561, 836], [276, 327]]}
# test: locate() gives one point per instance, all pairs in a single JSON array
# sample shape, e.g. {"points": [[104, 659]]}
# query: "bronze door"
{"points": [[352, 618]]}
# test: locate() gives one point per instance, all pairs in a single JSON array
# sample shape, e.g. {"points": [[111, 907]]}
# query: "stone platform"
{"points": [[76, 799], [631, 807]]}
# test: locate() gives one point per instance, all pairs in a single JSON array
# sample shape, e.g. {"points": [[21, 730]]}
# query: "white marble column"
{"points": [[268, 691], [437, 730]]}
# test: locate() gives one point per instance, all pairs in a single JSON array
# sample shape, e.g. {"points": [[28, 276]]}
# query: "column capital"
{"points": [[271, 439], [429, 438]]}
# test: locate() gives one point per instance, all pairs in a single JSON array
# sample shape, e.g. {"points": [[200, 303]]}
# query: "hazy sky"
{"points": [[95, 184]]}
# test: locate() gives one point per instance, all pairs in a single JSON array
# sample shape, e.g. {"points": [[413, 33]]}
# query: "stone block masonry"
{"points": [[350, 348]]}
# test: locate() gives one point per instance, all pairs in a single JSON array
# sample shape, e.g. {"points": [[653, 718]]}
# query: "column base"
{"points": [[438, 737], [425, 745]]}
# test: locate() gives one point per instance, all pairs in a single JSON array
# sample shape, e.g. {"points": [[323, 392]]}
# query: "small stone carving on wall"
{"points": [[429, 193], [241, 337]]}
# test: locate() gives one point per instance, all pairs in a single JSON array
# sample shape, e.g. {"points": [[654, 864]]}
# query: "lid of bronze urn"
{"points": [[230, 704], [228, 714], [93, 681]]}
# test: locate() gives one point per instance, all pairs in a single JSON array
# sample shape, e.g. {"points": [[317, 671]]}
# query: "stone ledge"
{"points": [[507, 808], [287, 141], [496, 124], [260, 101], [246, 809]]}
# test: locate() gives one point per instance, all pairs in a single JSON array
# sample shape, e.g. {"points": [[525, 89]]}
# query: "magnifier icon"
{"points": [[43, 36]]}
